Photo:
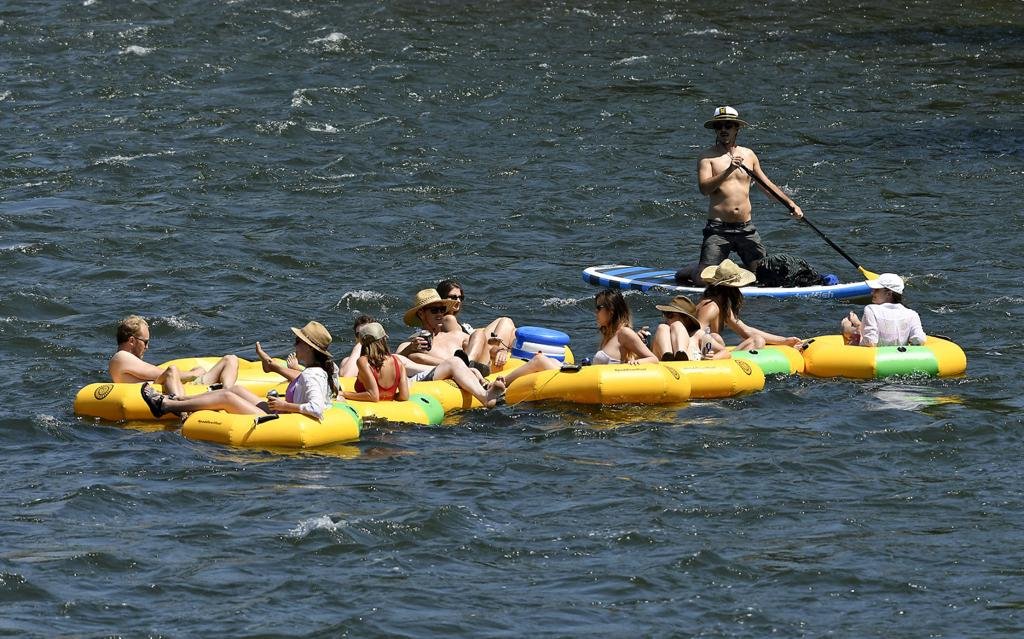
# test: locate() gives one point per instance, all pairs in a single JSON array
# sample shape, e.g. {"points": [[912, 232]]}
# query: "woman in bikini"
{"points": [[309, 391], [619, 342], [720, 306], [381, 374]]}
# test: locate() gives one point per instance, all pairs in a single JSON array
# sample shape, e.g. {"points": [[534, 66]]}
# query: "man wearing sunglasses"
{"points": [[436, 354], [488, 345], [127, 366], [722, 176]]}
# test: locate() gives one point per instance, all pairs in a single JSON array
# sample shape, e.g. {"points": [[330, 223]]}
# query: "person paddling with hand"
{"points": [[724, 173]]}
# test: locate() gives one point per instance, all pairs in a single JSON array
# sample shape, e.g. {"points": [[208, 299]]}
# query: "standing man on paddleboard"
{"points": [[722, 177]]}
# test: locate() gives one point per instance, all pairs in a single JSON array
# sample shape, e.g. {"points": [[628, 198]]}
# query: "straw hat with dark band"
{"points": [[425, 297], [727, 274], [314, 334], [682, 305]]}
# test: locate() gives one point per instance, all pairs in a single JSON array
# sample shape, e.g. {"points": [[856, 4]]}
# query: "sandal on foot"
{"points": [[153, 399], [681, 356]]}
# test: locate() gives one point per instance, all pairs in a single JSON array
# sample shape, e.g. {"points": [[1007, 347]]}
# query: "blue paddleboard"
{"points": [[643, 278]]}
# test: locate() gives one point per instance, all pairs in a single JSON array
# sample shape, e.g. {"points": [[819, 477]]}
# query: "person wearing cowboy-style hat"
{"points": [[424, 298], [724, 175], [436, 354], [720, 306], [886, 321], [677, 337], [438, 341]]}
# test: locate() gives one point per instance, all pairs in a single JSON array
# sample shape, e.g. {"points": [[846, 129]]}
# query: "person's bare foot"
{"points": [[265, 359], [495, 392]]}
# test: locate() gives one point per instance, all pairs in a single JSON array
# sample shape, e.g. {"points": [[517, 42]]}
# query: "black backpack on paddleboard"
{"points": [[782, 269]]}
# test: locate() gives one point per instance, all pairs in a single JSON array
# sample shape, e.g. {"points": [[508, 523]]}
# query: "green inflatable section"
{"points": [[430, 407], [905, 360], [771, 361]]}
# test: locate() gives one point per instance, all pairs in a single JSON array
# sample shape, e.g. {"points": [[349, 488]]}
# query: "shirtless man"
{"points": [[721, 176], [436, 358], [488, 345], [126, 366]]}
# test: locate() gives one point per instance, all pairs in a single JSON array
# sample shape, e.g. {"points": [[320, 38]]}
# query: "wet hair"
{"points": [[616, 303], [446, 286], [377, 352], [729, 300], [129, 327], [360, 321]]}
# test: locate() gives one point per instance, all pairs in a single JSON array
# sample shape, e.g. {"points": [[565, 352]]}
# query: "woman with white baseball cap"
{"points": [[886, 322]]}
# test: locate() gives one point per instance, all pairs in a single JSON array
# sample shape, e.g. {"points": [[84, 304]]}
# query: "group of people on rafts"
{"points": [[447, 348]]}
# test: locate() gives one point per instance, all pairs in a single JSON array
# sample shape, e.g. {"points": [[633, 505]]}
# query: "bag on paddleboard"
{"points": [[782, 269]]}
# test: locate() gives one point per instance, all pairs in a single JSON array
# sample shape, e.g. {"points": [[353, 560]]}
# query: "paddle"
{"points": [[778, 196]]}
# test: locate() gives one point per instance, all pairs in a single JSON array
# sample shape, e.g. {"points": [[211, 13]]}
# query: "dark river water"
{"points": [[230, 169]]}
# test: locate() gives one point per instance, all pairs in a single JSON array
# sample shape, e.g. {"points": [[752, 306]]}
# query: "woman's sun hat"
{"points": [[316, 335], [727, 274], [424, 298], [890, 281], [371, 332], [682, 305], [724, 114]]}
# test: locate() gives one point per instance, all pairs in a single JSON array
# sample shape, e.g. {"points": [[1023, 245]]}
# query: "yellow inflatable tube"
{"points": [[250, 374], [716, 378], [603, 384], [121, 401], [293, 430], [118, 402], [828, 356], [451, 397]]}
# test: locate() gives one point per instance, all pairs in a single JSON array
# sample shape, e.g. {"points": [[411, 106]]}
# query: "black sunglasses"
{"points": [[724, 125], [457, 298], [144, 341], [436, 310]]}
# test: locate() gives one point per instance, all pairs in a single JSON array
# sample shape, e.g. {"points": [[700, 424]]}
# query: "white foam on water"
{"points": [[630, 60], [136, 50], [307, 526], [561, 302], [332, 38]]}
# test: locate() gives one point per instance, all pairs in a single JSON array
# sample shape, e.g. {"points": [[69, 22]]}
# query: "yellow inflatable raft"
{"points": [[828, 356], [717, 378], [340, 424], [119, 402], [603, 384]]}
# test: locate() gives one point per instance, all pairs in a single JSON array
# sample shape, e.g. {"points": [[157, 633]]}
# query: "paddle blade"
{"points": [[867, 274]]}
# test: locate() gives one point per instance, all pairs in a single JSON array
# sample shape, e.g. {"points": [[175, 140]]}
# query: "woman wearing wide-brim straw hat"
{"points": [[309, 391], [720, 306], [677, 338]]}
